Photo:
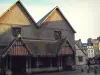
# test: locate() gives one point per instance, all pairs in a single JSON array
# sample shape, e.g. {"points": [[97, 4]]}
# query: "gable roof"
{"points": [[95, 41], [37, 47], [65, 40], [44, 47], [12, 44], [41, 21], [66, 48], [23, 9], [78, 42]]}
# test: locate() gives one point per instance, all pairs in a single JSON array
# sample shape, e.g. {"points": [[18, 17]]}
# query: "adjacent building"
{"points": [[80, 55], [96, 45], [84, 49], [90, 51]]}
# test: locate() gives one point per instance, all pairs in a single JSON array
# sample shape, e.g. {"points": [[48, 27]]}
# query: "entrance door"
{"points": [[67, 62], [18, 64]]}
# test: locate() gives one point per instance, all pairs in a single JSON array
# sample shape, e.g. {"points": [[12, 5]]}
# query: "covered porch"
{"points": [[17, 64]]}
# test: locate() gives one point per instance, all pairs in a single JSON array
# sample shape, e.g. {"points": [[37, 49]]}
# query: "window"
{"points": [[91, 51], [88, 55], [16, 31], [57, 35], [88, 51], [92, 55], [80, 58]]}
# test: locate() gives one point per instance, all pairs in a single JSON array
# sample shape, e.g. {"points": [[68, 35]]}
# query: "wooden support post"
{"points": [[26, 63], [61, 62], [50, 62], [29, 62], [10, 63], [58, 59], [37, 62], [6, 62]]}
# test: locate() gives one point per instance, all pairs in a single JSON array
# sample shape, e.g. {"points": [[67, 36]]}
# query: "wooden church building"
{"points": [[27, 46]]}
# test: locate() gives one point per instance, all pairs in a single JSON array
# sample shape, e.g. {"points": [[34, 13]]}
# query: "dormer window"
{"points": [[16, 31], [57, 35]]}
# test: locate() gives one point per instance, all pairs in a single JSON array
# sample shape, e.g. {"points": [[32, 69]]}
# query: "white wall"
{"points": [[90, 51], [79, 53]]}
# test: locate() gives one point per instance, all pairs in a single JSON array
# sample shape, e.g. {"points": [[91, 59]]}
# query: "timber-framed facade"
{"points": [[19, 58], [27, 46]]}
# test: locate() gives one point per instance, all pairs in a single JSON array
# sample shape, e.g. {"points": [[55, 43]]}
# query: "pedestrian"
{"points": [[88, 63]]}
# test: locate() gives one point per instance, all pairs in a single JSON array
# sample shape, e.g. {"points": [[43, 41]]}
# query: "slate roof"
{"points": [[84, 44], [43, 47], [38, 47], [94, 41]]}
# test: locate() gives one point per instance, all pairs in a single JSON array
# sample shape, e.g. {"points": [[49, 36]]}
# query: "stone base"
{"points": [[8, 72]]}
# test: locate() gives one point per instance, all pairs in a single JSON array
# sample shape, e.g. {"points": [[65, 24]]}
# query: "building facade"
{"points": [[84, 48], [96, 45], [80, 55], [48, 44], [90, 51]]}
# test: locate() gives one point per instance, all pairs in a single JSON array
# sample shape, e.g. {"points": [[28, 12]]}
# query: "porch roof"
{"points": [[38, 47], [43, 47], [16, 47]]}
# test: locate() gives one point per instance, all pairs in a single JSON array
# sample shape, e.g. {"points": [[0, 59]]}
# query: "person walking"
{"points": [[88, 64]]}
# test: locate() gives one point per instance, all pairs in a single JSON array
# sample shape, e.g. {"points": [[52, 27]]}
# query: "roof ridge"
{"points": [[27, 13], [46, 16]]}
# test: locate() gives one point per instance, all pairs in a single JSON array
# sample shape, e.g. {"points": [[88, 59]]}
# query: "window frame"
{"points": [[16, 31], [80, 58], [57, 35]]}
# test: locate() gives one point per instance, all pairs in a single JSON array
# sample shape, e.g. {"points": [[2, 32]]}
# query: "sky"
{"points": [[83, 15]]}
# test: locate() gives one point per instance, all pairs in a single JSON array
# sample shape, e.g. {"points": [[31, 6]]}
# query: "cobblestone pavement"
{"points": [[77, 72]]}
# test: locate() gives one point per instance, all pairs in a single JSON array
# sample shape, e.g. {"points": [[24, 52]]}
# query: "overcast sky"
{"points": [[83, 15]]}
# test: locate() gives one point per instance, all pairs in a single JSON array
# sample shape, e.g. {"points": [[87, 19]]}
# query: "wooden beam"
{"points": [[50, 62], [37, 62], [29, 62], [6, 62], [10, 62], [26, 62]]}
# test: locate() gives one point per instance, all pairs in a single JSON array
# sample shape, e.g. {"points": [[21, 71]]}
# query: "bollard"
{"points": [[82, 70], [88, 71], [95, 71]]}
